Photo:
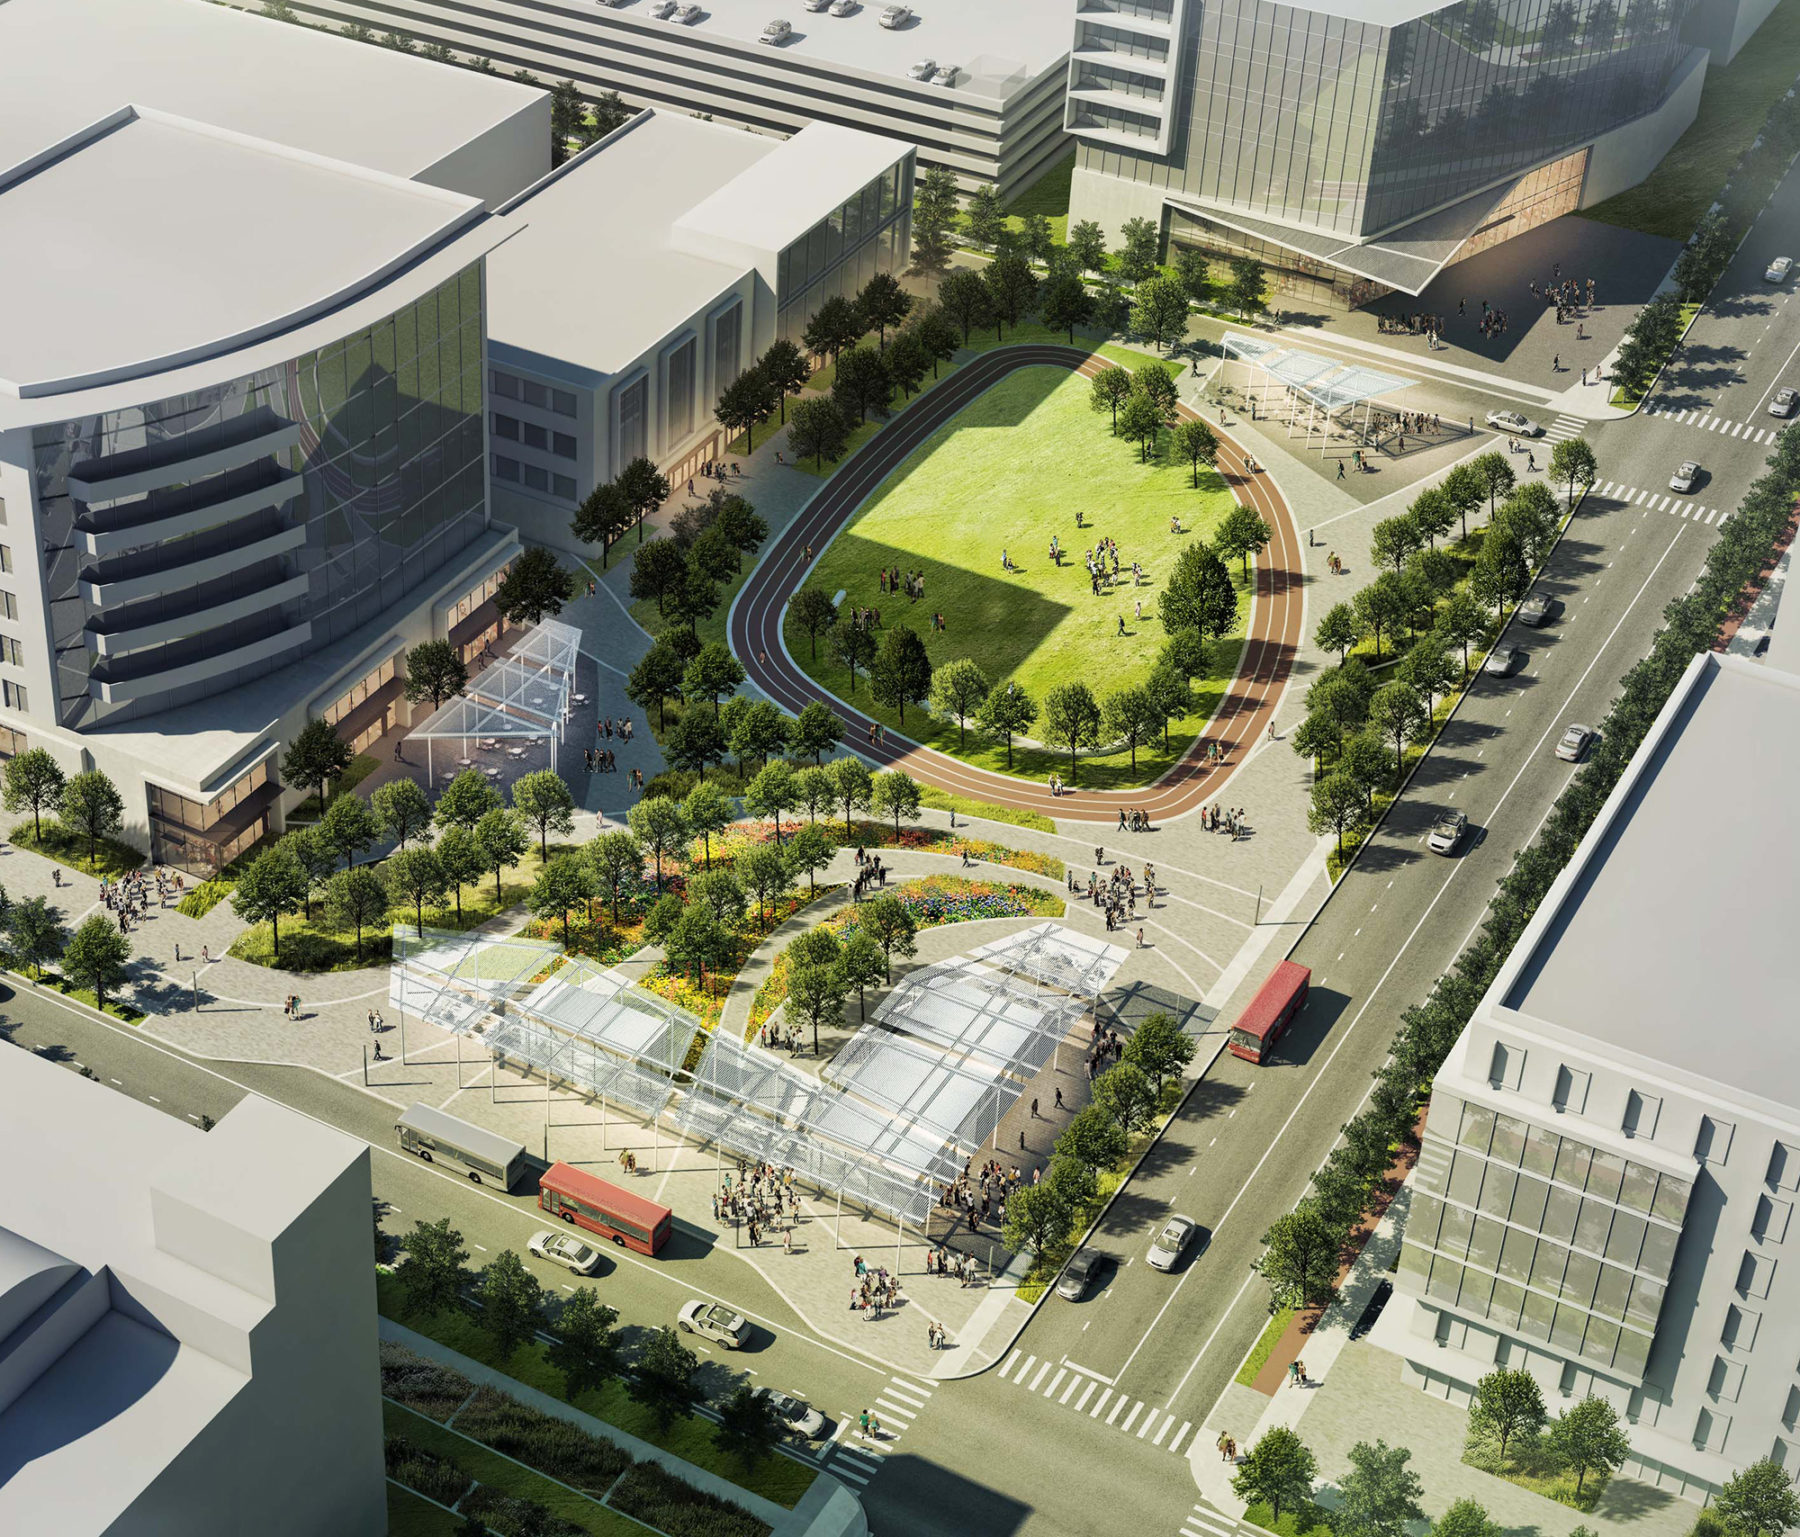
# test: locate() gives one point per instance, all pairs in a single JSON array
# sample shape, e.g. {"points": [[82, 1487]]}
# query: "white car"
{"points": [[1574, 743], [923, 70], [1779, 269], [814, 5], [1171, 1243], [1515, 422], [895, 16], [945, 76], [844, 7], [687, 15], [714, 1322], [1685, 477], [1503, 661], [795, 1413], [567, 1250], [662, 10], [1784, 402], [1447, 832], [776, 32], [1537, 611]]}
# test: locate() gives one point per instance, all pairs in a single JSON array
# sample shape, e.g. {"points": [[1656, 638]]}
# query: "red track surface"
{"points": [[1249, 702]]}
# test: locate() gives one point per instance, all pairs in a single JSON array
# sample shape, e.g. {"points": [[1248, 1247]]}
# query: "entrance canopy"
{"points": [[523, 694], [1329, 383]]}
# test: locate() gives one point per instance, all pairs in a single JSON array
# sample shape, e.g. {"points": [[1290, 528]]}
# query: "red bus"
{"points": [[628, 1220], [1271, 1011]]}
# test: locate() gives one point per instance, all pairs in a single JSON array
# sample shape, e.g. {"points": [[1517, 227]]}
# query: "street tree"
{"points": [[1428, 669], [349, 827], [461, 859], [617, 861], [1193, 272], [1382, 606], [1074, 1181], [658, 825], [1532, 516], [1137, 259], [663, 1379], [815, 791], [1759, 1500], [90, 808], [883, 303], [1064, 302], [564, 884], [434, 672], [1299, 1259], [854, 647], [900, 674], [316, 858], [1012, 290], [35, 934], [744, 404], [1071, 720], [814, 732], [1465, 488], [1588, 1438], [585, 1347], [1155, 381], [603, 518], [1243, 534], [1038, 239], [502, 841], [34, 782], [862, 965], [1087, 246], [1249, 286], [1461, 621], [1393, 540], [96, 958], [1338, 806], [853, 781], [957, 691], [736, 522], [721, 893], [760, 732], [895, 795], [1159, 311], [1160, 1047], [1171, 694], [1038, 1220], [1125, 1093], [890, 922], [1339, 630], [908, 361], [1318, 738], [415, 877], [1433, 513], [1508, 1404], [1572, 462], [985, 218], [269, 887], [934, 219], [1466, 1518], [1497, 478], [356, 899], [1194, 443], [1398, 713], [1094, 1137], [1131, 718], [1278, 1472], [434, 1269], [534, 588], [659, 569], [785, 370], [1379, 1496], [1108, 390], [656, 679], [862, 383], [809, 850], [707, 813], [714, 673], [749, 1429], [403, 809], [511, 1299], [1004, 714], [1500, 575], [771, 793], [937, 333], [315, 756], [767, 875]]}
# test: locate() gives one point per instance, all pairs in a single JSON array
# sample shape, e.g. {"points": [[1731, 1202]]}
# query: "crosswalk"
{"points": [[896, 1407], [1565, 426], [1204, 1521], [1075, 1387], [1705, 421], [1658, 501]]}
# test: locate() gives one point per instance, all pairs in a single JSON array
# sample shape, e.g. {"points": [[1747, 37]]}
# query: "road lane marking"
{"points": [[1007, 1365], [1069, 1391], [1168, 1420], [893, 1408], [1076, 1366], [1144, 1428], [1181, 1435]]}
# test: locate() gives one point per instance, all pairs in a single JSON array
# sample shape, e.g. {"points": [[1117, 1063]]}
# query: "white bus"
{"points": [[439, 1137]]}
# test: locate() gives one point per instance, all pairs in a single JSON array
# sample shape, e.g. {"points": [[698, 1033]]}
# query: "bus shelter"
{"points": [[1317, 396]]}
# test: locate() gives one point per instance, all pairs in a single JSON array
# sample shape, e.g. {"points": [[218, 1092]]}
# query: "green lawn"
{"points": [[111, 858], [1264, 1346], [1308, 1521], [1009, 470], [943, 800], [411, 1515], [1733, 103]]}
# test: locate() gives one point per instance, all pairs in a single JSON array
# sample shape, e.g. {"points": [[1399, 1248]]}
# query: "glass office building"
{"points": [[869, 232]]}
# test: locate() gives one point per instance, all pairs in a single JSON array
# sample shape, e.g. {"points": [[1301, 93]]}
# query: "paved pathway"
{"points": [[1275, 630]]}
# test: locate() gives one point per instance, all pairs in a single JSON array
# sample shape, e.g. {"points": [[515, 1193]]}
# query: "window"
{"points": [[534, 394], [533, 436], [1712, 1146], [1641, 1112], [10, 651], [563, 486], [9, 605], [562, 402], [5, 557], [536, 479], [1508, 1066], [506, 469], [633, 431], [1755, 1274], [2, 509], [1772, 1216], [14, 695], [727, 327], [1711, 1429], [678, 392], [504, 385], [1784, 1161], [506, 427], [12, 743], [562, 445], [1571, 1090], [1740, 1328]]}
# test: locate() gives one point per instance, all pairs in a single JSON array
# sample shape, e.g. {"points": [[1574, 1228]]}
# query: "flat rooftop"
{"points": [[67, 63], [1676, 939], [657, 167], [225, 239]]}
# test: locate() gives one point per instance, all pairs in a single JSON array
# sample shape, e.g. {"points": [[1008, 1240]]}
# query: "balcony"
{"points": [[145, 579], [128, 683], [206, 451], [1126, 63], [107, 640], [188, 509], [1148, 26]]}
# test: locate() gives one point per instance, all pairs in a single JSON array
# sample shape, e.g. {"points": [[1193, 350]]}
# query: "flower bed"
{"points": [[933, 900], [709, 1002], [565, 1451], [422, 1386], [659, 1499], [879, 835], [595, 934]]}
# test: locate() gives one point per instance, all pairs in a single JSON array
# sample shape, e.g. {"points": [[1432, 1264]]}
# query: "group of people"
{"points": [[1334, 564], [870, 871], [912, 583], [128, 898], [877, 733], [601, 760], [1107, 1050], [1103, 568], [716, 469], [873, 1291], [1416, 324], [1227, 821], [1132, 821], [864, 619], [290, 1006], [786, 1037], [979, 1197], [762, 1197], [960, 1267]]}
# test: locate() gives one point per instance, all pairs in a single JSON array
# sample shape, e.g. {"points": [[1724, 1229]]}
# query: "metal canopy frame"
{"points": [[1325, 386], [523, 694]]}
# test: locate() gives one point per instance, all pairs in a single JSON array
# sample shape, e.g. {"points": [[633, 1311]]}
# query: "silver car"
{"points": [[1784, 402], [567, 1250], [776, 32], [713, 1321], [662, 10], [1685, 476], [844, 7], [1171, 1243], [795, 1413], [895, 16], [1503, 661], [1574, 743], [1778, 270], [1515, 422], [1079, 1274], [1447, 832], [923, 70], [687, 15], [946, 75], [1537, 611]]}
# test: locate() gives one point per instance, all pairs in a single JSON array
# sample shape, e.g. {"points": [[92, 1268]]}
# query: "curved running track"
{"points": [[1249, 703]]}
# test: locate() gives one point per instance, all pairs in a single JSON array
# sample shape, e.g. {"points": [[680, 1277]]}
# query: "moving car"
{"points": [[923, 70], [945, 76], [776, 32], [1779, 269], [1170, 1244], [1538, 611], [896, 16], [796, 1413], [1503, 661], [1574, 743], [567, 1250], [1685, 476], [1079, 1274], [1515, 422], [1372, 1311], [1447, 832], [1784, 402], [844, 7], [715, 1322]]}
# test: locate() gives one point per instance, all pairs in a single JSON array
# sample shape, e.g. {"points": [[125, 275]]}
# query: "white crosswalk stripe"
{"points": [[1656, 501], [897, 1406], [1564, 427]]}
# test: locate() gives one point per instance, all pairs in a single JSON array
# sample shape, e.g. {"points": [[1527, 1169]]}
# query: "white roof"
{"points": [[159, 241], [1670, 936], [67, 63], [611, 210]]}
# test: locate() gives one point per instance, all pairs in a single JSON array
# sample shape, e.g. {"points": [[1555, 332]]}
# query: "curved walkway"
{"points": [[1274, 634]]}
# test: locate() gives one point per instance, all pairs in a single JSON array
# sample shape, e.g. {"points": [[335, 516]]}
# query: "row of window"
{"points": [[840, 232], [184, 811], [534, 478], [562, 444], [347, 701], [511, 387]]}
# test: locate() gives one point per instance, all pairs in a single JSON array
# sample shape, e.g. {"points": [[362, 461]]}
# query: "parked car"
{"points": [[1686, 476], [923, 70], [1538, 611], [1171, 1243], [1080, 1273], [896, 16], [815, 5], [567, 1250], [1372, 1309], [1784, 402], [1779, 269], [1574, 743], [1515, 422], [715, 1322], [795, 1413], [844, 7], [946, 75], [662, 10], [687, 15], [1503, 661], [776, 32], [1447, 832]]}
